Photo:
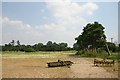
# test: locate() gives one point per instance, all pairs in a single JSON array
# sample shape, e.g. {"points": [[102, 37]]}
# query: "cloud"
{"points": [[66, 9], [18, 30], [90, 8], [68, 13], [68, 24], [16, 23], [70, 16]]}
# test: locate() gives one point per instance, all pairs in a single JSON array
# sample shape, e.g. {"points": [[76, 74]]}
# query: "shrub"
{"points": [[86, 53], [29, 50], [92, 53]]}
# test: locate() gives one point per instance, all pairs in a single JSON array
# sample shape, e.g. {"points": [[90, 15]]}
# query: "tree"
{"points": [[76, 46], [18, 43], [92, 37], [0, 48], [12, 43], [55, 47], [49, 46], [118, 49], [112, 47], [63, 46], [38, 47]]}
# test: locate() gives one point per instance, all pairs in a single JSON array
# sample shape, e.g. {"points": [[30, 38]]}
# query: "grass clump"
{"points": [[97, 54]]}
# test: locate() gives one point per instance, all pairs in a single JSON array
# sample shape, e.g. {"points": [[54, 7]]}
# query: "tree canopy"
{"points": [[92, 36]]}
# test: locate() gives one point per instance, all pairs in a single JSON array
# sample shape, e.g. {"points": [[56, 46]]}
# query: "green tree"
{"points": [[49, 46], [18, 43], [76, 46], [55, 47], [112, 47], [38, 47], [92, 37], [12, 43], [63, 46], [0, 48]]}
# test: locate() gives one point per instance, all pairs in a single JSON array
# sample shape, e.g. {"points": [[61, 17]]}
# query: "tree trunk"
{"points": [[107, 49]]}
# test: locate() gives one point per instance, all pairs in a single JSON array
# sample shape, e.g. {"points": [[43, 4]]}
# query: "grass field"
{"points": [[33, 65]]}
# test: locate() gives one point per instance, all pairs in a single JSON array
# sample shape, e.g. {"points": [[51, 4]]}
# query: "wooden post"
{"points": [[107, 49]]}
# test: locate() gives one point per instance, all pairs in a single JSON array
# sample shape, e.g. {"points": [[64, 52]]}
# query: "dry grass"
{"points": [[34, 66]]}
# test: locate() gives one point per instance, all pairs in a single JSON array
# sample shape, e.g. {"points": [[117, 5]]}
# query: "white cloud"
{"points": [[68, 13], [24, 31], [69, 22], [16, 23], [90, 8], [66, 9]]}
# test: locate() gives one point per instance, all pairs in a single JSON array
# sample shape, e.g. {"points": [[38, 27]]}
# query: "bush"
{"points": [[102, 54], [86, 53], [114, 56], [29, 50], [92, 53], [112, 47]]}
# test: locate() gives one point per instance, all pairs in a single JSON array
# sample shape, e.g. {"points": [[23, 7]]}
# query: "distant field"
{"points": [[35, 54], [34, 65], [5, 53]]}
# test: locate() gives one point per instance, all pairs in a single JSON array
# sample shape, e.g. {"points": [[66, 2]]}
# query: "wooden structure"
{"points": [[59, 63], [104, 62]]}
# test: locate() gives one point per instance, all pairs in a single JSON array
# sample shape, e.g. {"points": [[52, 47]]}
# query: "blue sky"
{"points": [[35, 22]]}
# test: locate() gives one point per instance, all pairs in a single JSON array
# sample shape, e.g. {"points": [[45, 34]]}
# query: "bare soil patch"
{"points": [[31, 66]]}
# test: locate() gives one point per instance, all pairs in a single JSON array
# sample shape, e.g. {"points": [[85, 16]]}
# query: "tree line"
{"points": [[50, 46]]}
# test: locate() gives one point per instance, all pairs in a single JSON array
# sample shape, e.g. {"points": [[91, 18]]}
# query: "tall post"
{"points": [[106, 47]]}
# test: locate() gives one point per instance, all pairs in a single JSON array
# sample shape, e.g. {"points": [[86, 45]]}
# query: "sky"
{"points": [[61, 21]]}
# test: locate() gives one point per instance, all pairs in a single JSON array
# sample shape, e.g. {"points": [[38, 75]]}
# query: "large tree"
{"points": [[92, 36]]}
